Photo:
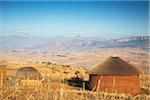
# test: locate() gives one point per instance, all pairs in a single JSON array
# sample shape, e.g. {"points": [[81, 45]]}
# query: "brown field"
{"points": [[39, 93], [64, 65], [136, 56]]}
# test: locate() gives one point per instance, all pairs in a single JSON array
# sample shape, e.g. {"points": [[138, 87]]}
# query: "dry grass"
{"points": [[41, 93]]}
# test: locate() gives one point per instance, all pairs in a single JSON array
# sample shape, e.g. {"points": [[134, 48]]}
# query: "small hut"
{"points": [[3, 71], [28, 76], [115, 75], [29, 73]]}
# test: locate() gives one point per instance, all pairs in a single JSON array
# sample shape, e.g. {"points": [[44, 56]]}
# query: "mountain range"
{"points": [[62, 43]]}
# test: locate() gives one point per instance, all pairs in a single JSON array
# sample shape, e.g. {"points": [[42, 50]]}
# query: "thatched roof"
{"points": [[114, 66], [28, 73]]}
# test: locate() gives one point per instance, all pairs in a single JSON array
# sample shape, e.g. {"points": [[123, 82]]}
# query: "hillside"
{"points": [[76, 51], [135, 56]]}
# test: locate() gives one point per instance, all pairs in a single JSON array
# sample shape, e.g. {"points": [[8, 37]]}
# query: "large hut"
{"points": [[3, 71], [29, 73], [115, 75]]}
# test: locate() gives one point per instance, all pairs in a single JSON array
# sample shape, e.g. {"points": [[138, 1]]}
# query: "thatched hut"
{"points": [[115, 75], [29, 73], [3, 71]]}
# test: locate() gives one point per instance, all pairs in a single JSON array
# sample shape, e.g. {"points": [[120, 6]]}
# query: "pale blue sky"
{"points": [[68, 18]]}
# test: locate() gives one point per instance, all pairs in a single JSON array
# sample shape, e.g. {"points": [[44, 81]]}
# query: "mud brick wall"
{"points": [[119, 84]]}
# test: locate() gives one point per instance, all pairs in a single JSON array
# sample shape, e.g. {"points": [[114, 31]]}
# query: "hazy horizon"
{"points": [[63, 18]]}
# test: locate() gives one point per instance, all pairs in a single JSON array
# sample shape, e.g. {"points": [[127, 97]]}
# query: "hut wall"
{"points": [[119, 84], [2, 73], [30, 82]]}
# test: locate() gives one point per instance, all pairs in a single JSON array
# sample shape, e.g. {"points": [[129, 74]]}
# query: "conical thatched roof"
{"points": [[28, 73], [114, 66]]}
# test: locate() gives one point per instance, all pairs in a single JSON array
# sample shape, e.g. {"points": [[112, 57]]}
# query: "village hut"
{"points": [[29, 73], [115, 75], [28, 76], [3, 71]]}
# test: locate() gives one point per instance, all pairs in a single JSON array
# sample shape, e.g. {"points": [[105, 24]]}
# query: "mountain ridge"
{"points": [[70, 43]]}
